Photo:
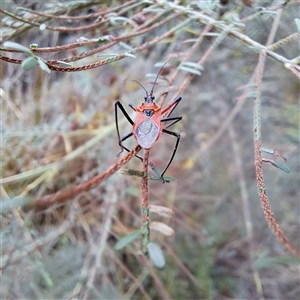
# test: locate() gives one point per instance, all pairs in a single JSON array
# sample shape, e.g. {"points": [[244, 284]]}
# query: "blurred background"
{"points": [[59, 131]]}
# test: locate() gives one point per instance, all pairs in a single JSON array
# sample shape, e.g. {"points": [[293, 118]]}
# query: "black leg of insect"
{"points": [[175, 119], [177, 135], [121, 140]]}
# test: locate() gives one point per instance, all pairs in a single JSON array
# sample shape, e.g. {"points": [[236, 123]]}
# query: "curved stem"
{"points": [[145, 202]]}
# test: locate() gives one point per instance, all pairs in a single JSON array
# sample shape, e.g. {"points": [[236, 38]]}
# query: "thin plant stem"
{"points": [[187, 57], [82, 17], [101, 243], [274, 226], [20, 253], [145, 202], [245, 207], [137, 282], [61, 197]]}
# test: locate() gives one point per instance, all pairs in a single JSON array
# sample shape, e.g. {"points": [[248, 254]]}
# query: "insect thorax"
{"points": [[148, 113]]}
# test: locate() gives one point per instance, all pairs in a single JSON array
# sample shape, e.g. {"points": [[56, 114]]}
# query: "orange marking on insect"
{"points": [[148, 126]]}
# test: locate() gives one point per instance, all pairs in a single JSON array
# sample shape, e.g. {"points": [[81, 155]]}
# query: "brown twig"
{"points": [[103, 62], [129, 274], [61, 197], [185, 59], [66, 29], [82, 17], [145, 202], [245, 207], [283, 240]]}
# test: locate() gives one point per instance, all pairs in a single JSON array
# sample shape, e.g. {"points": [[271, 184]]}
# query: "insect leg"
{"points": [[119, 104], [172, 105], [124, 138], [175, 119], [177, 135]]}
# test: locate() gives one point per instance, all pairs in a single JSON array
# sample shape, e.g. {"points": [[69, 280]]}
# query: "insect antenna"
{"points": [[152, 90], [139, 85]]}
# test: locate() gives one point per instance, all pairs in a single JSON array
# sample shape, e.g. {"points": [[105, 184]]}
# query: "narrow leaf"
{"points": [[132, 172], [125, 46], [129, 55], [211, 34], [42, 27], [162, 228], [267, 262], [44, 66], [255, 48], [162, 211], [29, 63], [127, 239], [277, 164], [160, 64], [156, 255], [297, 24], [18, 47], [150, 75], [267, 150], [166, 178], [190, 70], [63, 63], [158, 172], [281, 166], [273, 152], [190, 64]]}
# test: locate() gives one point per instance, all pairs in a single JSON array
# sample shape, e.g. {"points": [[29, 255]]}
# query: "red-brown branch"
{"points": [[280, 236], [61, 197]]}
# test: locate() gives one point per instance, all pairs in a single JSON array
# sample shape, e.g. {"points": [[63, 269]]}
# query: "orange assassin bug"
{"points": [[148, 126]]}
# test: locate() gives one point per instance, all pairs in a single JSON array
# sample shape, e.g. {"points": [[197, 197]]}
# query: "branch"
{"points": [[64, 196], [145, 203], [283, 240]]}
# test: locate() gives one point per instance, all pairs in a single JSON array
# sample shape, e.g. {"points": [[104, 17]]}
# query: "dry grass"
{"points": [[58, 132]]}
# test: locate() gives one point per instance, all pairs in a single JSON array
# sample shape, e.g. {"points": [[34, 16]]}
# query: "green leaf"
{"points": [[281, 166], [42, 27], [162, 228], [162, 211], [129, 55], [18, 47], [125, 46], [122, 19], [150, 75], [33, 46], [267, 262], [190, 70], [62, 63], [297, 24], [127, 239], [44, 66], [160, 64], [211, 34], [256, 48], [29, 63], [157, 171], [156, 255], [267, 150], [166, 178], [190, 64]]}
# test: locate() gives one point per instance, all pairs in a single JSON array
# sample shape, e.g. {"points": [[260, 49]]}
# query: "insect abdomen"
{"points": [[147, 133]]}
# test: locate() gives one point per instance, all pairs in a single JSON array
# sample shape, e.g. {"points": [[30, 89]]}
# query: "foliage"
{"points": [[65, 206]]}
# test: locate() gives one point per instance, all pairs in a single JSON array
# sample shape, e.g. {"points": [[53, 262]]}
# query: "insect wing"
{"points": [[147, 133]]}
